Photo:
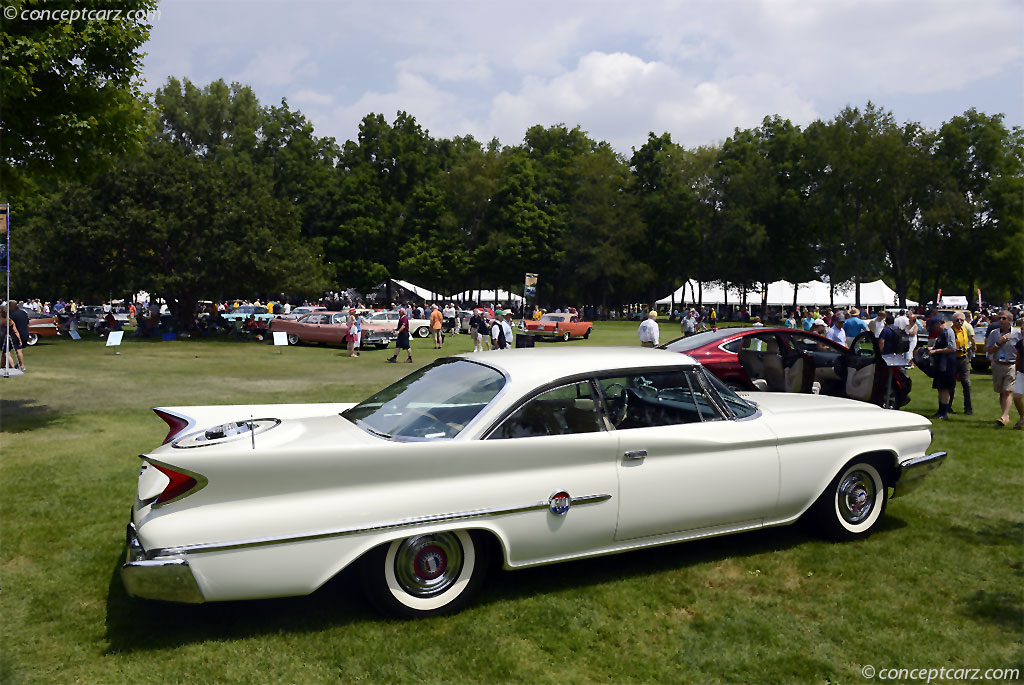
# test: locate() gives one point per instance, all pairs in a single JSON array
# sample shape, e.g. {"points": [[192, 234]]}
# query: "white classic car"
{"points": [[526, 457]]}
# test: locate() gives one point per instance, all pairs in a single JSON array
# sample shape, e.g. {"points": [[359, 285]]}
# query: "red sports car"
{"points": [[788, 360]]}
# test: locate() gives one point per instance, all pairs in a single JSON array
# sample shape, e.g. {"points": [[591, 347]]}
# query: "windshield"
{"points": [[552, 317], [740, 407], [437, 401]]}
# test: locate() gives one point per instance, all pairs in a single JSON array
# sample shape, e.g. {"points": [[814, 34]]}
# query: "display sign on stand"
{"points": [[114, 339]]}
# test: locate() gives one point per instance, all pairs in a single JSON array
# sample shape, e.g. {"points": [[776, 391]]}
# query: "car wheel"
{"points": [[293, 339], [853, 503], [425, 575], [32, 339], [565, 336], [587, 334], [422, 332]]}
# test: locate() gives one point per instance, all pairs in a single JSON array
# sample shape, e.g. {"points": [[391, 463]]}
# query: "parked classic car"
{"points": [[41, 326], [561, 326], [91, 316], [533, 457], [331, 328], [298, 312], [790, 360], [243, 312], [418, 327]]}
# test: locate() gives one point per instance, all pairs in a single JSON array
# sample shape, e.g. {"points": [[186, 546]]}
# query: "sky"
{"points": [[696, 69]]}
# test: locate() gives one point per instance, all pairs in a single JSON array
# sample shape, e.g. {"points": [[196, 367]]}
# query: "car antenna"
{"points": [[252, 431]]}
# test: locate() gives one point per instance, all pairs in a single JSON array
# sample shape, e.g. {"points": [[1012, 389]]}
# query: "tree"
{"points": [[666, 203], [71, 92], [984, 159]]}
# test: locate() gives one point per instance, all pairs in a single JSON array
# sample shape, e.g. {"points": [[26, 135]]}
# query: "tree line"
{"points": [[203, 192]]}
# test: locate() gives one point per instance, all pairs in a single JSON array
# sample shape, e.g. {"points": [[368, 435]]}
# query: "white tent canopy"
{"points": [[481, 296], [465, 296], [780, 294], [418, 291]]}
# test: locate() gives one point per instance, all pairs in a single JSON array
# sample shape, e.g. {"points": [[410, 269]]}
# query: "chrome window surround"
{"points": [[374, 528]]}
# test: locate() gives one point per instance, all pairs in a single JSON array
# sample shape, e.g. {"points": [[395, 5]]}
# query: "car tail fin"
{"points": [[179, 484], [174, 422]]}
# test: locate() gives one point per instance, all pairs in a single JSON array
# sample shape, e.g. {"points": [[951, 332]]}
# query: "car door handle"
{"points": [[635, 455]]}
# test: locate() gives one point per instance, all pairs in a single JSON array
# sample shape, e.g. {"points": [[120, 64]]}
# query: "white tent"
{"points": [[480, 296], [780, 294], [422, 293]]}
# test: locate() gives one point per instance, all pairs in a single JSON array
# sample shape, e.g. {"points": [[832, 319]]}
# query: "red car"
{"points": [[789, 360], [562, 326]]}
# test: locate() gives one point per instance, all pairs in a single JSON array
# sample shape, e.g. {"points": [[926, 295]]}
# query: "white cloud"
{"points": [[454, 67], [696, 68]]}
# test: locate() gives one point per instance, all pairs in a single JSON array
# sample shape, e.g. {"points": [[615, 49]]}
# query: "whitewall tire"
{"points": [[425, 575], [853, 503]]}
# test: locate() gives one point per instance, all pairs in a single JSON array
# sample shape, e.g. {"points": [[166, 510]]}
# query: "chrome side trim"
{"points": [[359, 530], [913, 471]]}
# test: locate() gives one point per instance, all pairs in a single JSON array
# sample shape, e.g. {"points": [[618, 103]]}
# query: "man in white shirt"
{"points": [[506, 327], [648, 330], [877, 324]]}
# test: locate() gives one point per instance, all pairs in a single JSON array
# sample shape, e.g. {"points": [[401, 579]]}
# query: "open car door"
{"points": [[760, 356], [866, 371], [798, 368]]}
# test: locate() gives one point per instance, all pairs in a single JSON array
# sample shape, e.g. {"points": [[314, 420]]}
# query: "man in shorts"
{"points": [[1001, 345], [403, 338], [944, 380]]}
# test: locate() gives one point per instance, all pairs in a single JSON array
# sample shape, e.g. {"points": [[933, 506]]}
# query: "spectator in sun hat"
{"points": [[854, 324], [403, 337], [818, 326], [648, 330]]}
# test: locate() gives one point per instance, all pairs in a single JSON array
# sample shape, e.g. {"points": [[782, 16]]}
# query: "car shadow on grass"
{"points": [[134, 624], [19, 416], [653, 560]]}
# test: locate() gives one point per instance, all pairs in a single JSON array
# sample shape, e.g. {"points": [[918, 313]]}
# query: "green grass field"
{"points": [[941, 584]]}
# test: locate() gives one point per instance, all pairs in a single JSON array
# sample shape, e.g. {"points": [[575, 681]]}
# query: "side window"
{"points": [[662, 398], [339, 318], [562, 411], [761, 343], [733, 345]]}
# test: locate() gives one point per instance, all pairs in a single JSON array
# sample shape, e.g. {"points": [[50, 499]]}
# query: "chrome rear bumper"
{"points": [[169, 579], [913, 471]]}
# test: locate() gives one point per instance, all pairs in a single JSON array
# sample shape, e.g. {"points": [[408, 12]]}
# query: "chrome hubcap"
{"points": [[427, 565], [856, 497]]}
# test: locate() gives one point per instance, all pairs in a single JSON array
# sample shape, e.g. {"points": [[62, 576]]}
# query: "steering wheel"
{"points": [[438, 423]]}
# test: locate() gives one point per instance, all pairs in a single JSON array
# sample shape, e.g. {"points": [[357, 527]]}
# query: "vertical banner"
{"points": [[529, 291], [5, 242], [979, 299]]}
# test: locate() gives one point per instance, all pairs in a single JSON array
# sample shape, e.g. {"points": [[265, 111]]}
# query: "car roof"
{"points": [[535, 366]]}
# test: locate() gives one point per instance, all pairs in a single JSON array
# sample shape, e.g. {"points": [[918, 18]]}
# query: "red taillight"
{"points": [[175, 423], [180, 484]]}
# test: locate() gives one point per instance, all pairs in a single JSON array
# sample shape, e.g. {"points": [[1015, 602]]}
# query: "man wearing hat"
{"points": [[506, 328], [854, 324], [403, 338], [648, 331]]}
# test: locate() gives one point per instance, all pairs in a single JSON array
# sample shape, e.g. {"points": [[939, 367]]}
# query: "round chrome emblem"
{"points": [[559, 503]]}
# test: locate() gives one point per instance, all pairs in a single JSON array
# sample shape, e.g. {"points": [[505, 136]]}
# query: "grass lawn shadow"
{"points": [[19, 416]]}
